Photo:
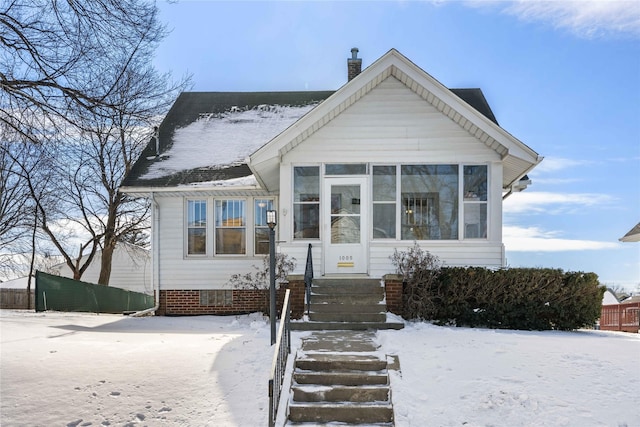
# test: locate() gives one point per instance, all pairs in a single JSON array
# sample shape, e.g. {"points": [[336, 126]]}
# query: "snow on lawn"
{"points": [[83, 369], [480, 377], [63, 369]]}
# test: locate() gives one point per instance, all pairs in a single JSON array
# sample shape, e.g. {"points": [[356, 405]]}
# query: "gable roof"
{"points": [[207, 137], [518, 158]]}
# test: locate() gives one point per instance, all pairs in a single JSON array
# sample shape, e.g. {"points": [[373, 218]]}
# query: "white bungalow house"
{"points": [[391, 158]]}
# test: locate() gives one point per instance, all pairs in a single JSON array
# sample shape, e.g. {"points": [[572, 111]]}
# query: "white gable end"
{"points": [[391, 123], [518, 158]]}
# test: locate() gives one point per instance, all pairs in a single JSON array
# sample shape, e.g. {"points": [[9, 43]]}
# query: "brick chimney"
{"points": [[354, 64]]}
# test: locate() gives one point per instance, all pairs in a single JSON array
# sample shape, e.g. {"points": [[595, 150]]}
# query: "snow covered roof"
{"points": [[206, 136]]}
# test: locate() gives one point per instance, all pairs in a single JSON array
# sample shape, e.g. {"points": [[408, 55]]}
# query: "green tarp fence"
{"points": [[64, 294]]}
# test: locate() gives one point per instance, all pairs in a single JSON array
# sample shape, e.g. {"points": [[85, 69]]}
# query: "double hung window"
{"points": [[197, 227], [231, 227], [261, 230]]}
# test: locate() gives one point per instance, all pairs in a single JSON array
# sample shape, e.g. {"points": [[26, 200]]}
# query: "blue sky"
{"points": [[563, 77]]}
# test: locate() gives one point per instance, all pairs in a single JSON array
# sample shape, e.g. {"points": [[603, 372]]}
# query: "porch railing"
{"points": [[620, 317], [308, 278], [279, 364]]}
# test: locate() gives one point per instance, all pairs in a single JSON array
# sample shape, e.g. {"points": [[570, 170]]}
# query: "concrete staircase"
{"points": [[339, 378], [347, 304]]}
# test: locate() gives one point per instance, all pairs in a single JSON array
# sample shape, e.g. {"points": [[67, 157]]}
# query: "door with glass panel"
{"points": [[345, 225]]}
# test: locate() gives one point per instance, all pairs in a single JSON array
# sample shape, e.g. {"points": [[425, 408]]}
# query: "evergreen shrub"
{"points": [[513, 298]]}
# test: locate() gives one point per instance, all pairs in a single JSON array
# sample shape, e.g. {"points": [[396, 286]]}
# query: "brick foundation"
{"points": [[187, 302], [393, 289], [296, 286]]}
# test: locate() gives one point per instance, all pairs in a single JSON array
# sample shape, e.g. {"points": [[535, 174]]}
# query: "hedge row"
{"points": [[517, 298]]}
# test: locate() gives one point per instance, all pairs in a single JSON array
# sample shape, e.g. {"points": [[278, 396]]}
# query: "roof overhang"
{"points": [[194, 191], [518, 158], [633, 235]]}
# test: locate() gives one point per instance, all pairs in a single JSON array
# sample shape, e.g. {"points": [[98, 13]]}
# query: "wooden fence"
{"points": [[16, 299], [621, 317]]}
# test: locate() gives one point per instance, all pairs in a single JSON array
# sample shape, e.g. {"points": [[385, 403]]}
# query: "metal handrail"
{"points": [[279, 363], [308, 277]]}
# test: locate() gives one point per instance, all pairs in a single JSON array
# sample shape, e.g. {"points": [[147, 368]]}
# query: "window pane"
{"points": [[196, 213], [345, 199], [384, 183], [306, 220], [475, 220], [429, 202], [345, 229], [230, 213], [384, 220], [262, 241], [306, 184], [197, 241], [260, 211], [475, 182], [230, 241], [230, 227], [346, 169]]}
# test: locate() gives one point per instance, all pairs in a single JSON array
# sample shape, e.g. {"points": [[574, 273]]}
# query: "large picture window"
{"points": [[429, 197], [196, 227], [231, 227], [306, 202]]}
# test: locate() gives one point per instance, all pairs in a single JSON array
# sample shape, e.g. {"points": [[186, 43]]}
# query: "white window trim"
{"points": [[211, 228]]}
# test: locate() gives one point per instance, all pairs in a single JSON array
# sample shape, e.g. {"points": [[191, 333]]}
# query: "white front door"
{"points": [[345, 225]]}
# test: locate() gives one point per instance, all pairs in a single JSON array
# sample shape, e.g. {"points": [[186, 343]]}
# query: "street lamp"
{"points": [[272, 217]]}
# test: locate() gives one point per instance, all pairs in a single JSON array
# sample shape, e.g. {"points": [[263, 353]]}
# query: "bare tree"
{"points": [[80, 71]]}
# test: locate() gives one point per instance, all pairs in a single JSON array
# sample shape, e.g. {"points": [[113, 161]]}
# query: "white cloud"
{"points": [[554, 164], [533, 239], [587, 18], [553, 203]]}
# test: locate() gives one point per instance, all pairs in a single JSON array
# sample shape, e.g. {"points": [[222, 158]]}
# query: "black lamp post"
{"points": [[272, 217]]}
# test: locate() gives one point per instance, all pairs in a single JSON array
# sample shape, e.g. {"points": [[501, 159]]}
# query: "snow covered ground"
{"points": [[64, 369]]}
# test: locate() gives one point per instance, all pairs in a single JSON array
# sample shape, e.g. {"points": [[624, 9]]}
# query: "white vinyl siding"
{"points": [[391, 125]]}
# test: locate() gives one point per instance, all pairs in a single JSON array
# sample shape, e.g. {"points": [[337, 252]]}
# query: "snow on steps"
{"points": [[344, 388]]}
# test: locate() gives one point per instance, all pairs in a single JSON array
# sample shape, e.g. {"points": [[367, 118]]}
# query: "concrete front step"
{"points": [[354, 413], [346, 287], [329, 362], [347, 298], [345, 326], [341, 377], [347, 317], [347, 308], [320, 393]]}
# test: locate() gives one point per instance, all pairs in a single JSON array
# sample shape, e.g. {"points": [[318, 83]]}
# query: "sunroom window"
{"points": [[429, 198], [475, 202], [384, 202], [306, 202]]}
